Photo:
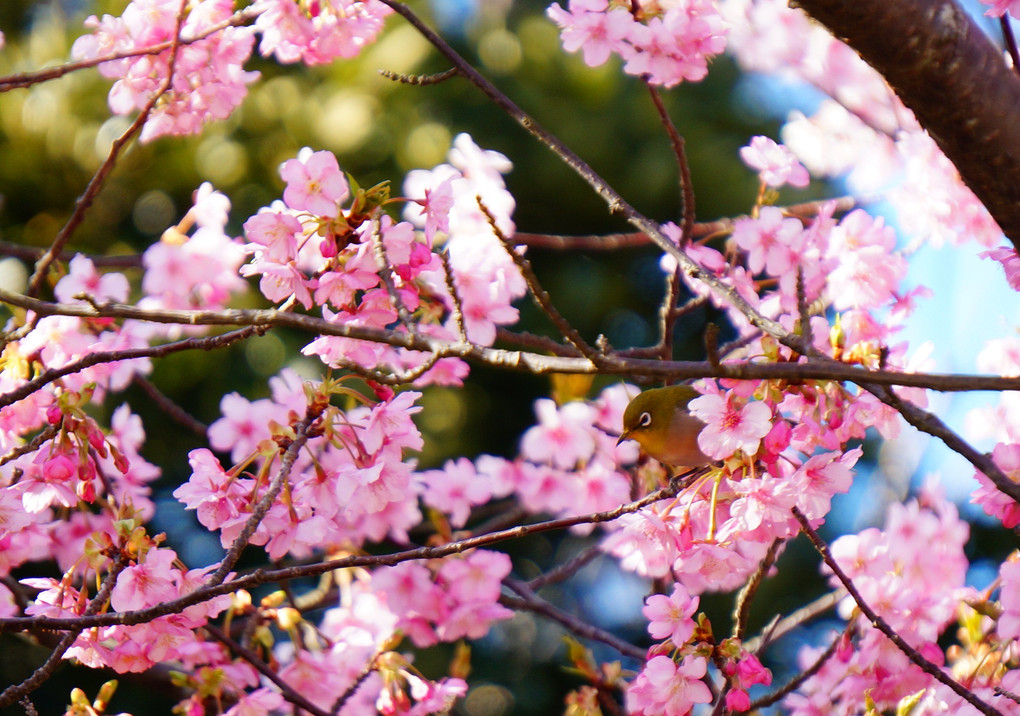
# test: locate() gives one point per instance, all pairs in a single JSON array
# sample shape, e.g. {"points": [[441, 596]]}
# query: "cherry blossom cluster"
{"points": [[97, 474], [671, 680], [325, 247], [209, 80], [912, 573], [149, 581], [352, 484], [317, 32], [348, 657], [665, 42], [862, 132], [447, 269], [195, 263]]}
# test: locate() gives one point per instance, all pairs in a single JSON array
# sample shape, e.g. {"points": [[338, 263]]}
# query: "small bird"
{"points": [[658, 421]]}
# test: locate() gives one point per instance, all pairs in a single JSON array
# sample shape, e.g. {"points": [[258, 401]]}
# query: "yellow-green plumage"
{"points": [[658, 421]]}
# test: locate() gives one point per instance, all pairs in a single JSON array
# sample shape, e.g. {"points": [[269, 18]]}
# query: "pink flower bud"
{"points": [[327, 247], [59, 468], [737, 700], [86, 491]]}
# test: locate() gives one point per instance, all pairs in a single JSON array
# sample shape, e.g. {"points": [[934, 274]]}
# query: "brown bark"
{"points": [[955, 80]]}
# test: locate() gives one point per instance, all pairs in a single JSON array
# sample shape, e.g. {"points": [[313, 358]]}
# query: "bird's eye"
{"points": [[645, 420]]}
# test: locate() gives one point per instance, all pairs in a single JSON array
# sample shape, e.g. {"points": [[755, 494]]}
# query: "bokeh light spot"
{"points": [[221, 161], [488, 700], [265, 354], [13, 275], [111, 129], [500, 51], [153, 212], [346, 121], [425, 146]]}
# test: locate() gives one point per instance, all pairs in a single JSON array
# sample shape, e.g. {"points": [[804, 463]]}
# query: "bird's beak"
{"points": [[625, 435]]}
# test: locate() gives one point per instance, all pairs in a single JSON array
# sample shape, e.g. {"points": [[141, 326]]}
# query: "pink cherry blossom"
{"points": [[436, 208], [776, 164], [998, 8], [730, 427], [1007, 256], [867, 272], [455, 489], [314, 183], [243, 425], [664, 687], [588, 26], [150, 582], [670, 617], [84, 279], [821, 477], [1008, 625], [774, 243], [563, 436], [317, 35], [209, 81], [992, 500]]}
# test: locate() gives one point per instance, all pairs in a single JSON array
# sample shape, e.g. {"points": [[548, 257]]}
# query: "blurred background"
{"points": [[54, 136]]}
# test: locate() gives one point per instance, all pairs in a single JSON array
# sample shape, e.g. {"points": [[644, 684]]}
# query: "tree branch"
{"points": [[883, 626], [536, 363], [532, 602], [266, 576], [945, 69]]}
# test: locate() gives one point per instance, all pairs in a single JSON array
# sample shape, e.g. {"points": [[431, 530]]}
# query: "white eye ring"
{"points": [[645, 420]]}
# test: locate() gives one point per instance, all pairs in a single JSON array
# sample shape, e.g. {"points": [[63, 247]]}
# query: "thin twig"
{"points": [[286, 690], [16, 692], [178, 414], [541, 296], [521, 360], [96, 183], [567, 569], [676, 140], [301, 435], [27, 79], [541, 343], [393, 378], [350, 690], [530, 601], [781, 627], [746, 595], [802, 309], [382, 262], [999, 691], [46, 377], [700, 230], [29, 253], [800, 678], [880, 623], [1010, 41], [667, 311], [458, 306], [31, 446], [420, 80]]}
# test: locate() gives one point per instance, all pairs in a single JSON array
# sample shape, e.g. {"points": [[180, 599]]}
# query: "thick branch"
{"points": [[267, 576], [519, 360], [953, 78]]}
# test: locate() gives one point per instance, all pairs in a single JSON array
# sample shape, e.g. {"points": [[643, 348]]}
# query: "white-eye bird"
{"points": [[659, 422]]}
